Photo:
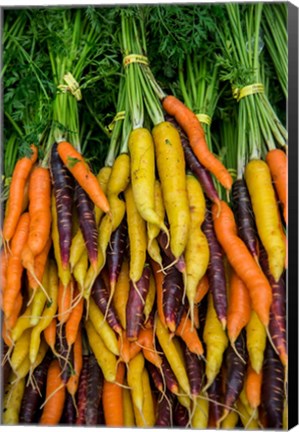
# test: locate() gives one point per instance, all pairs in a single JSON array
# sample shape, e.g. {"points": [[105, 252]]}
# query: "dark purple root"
{"points": [[100, 294], [164, 410], [82, 392], [195, 370], [155, 376], [180, 415], [202, 312], [63, 185], [170, 379], [216, 271], [200, 172], [87, 222], [115, 251], [173, 291], [272, 388], [69, 411], [277, 324], [215, 394], [101, 415], [34, 394], [244, 216], [135, 304], [162, 240], [66, 360], [95, 381], [236, 370]]}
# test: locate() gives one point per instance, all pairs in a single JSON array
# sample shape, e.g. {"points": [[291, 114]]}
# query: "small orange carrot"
{"points": [[13, 286], [50, 334], [159, 277], [55, 396], [73, 381], [21, 235], [253, 387], [189, 335], [76, 164], [239, 307], [39, 209], [12, 319], [113, 399], [16, 193], [73, 323], [65, 296], [278, 165], [242, 261], [146, 341], [191, 125], [39, 266], [202, 289]]}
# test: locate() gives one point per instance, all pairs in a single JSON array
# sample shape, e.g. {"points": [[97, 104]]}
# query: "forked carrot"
{"points": [[76, 164]]}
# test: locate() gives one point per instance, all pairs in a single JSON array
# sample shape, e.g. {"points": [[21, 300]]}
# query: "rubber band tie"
{"points": [[71, 86], [135, 58], [204, 118], [248, 90], [119, 116]]}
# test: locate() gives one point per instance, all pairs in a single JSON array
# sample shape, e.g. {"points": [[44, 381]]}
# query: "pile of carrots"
{"points": [[139, 296]]}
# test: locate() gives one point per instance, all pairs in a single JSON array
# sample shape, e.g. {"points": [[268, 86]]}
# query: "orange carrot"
{"points": [[146, 341], [242, 261], [50, 334], [12, 319], [16, 193], [13, 286], [202, 289], [189, 335], [253, 386], [191, 125], [159, 277], [73, 323], [113, 399], [277, 162], [55, 396], [76, 164], [39, 209], [39, 266], [73, 381], [4, 265], [239, 307], [65, 296], [20, 236]]}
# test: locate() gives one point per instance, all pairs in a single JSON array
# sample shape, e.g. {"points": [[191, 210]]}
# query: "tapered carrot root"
{"points": [[76, 164], [191, 125], [277, 162]]}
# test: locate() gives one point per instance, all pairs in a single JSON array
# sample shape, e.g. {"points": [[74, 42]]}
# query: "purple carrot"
{"points": [[95, 381], [66, 354], [173, 292], [82, 392], [34, 392], [215, 394], [244, 216], [135, 304], [216, 271], [272, 388], [236, 359], [69, 411], [180, 415], [195, 370], [155, 376], [200, 172], [202, 312], [87, 222], [164, 410], [101, 416], [100, 294], [162, 240], [63, 186], [115, 252], [277, 324], [167, 373]]}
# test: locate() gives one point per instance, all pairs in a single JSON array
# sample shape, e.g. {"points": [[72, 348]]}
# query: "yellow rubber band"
{"points": [[248, 90], [71, 86], [233, 172], [119, 116], [204, 118], [135, 58]]}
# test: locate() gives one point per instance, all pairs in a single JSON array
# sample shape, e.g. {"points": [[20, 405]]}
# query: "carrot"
{"points": [[253, 387], [189, 335], [201, 289], [146, 340], [73, 381], [191, 125], [65, 297], [137, 237], [16, 191], [69, 411], [3, 263], [243, 262], [215, 393], [247, 421], [40, 298], [159, 279], [40, 261], [55, 396], [197, 253], [115, 253], [50, 335], [150, 300], [20, 350], [76, 164], [200, 417], [129, 418], [277, 162], [12, 400], [113, 399], [73, 323], [141, 148], [239, 307], [82, 389], [216, 343], [172, 176], [80, 269], [94, 391], [152, 229], [265, 208], [134, 377], [195, 371], [180, 415], [39, 209], [256, 339], [121, 293], [164, 410], [146, 416]]}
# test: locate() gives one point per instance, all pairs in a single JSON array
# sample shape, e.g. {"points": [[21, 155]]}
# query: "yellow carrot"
{"points": [[256, 338]]}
